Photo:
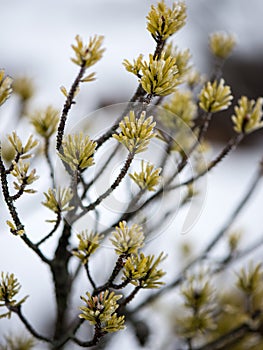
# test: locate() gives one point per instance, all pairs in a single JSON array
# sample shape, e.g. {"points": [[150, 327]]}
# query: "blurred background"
{"points": [[35, 39]]}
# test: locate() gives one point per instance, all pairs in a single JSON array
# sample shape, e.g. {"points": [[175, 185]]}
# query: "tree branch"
{"points": [[228, 339], [210, 246], [86, 344], [17, 310], [231, 145], [68, 103], [100, 172], [89, 276], [130, 297], [57, 223], [14, 214], [117, 268], [115, 184], [50, 165]]}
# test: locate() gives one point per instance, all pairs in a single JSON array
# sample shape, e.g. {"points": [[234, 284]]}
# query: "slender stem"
{"points": [[167, 151], [139, 93], [76, 201], [131, 296], [68, 103], [251, 189], [117, 268], [76, 272], [206, 119], [19, 192], [28, 326], [115, 184], [121, 285], [8, 198], [89, 276], [100, 172], [231, 145], [50, 165], [58, 220], [217, 73], [35, 249], [132, 206], [13, 212], [69, 335], [159, 49], [97, 335], [229, 338], [107, 135], [251, 248], [16, 160]]}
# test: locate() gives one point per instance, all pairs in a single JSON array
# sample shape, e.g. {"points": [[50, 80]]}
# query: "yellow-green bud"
{"points": [[222, 44], [127, 240], [164, 21], [248, 115], [78, 151], [5, 86], [215, 96], [148, 178], [88, 54], [136, 133]]}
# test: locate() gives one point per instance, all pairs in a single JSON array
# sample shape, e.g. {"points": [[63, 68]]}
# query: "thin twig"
{"points": [[131, 207], [117, 268], [185, 158], [7, 197], [121, 285], [231, 145], [16, 160], [248, 194], [20, 192], [50, 165], [68, 103], [138, 95], [167, 152], [13, 212], [130, 297], [159, 48], [115, 184], [108, 134], [58, 220], [17, 310], [70, 334], [97, 335], [100, 172], [35, 249], [89, 276], [218, 67], [251, 189], [251, 248], [76, 272], [228, 339]]}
